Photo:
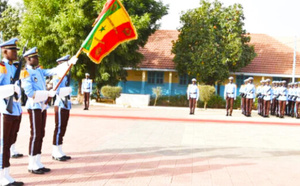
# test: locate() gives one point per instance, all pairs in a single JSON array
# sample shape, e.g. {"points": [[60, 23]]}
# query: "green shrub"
{"points": [[206, 93], [111, 92]]}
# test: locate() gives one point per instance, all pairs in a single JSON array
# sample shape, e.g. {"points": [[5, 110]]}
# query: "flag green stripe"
{"points": [[88, 41]]}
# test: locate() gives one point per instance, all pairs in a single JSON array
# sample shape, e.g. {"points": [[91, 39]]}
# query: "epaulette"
{"points": [[2, 68], [24, 74]]}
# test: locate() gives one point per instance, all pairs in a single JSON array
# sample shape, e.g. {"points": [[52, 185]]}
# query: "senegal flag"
{"points": [[112, 27]]}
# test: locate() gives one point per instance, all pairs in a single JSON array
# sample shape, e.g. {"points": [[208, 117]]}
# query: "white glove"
{"points": [[73, 60], [51, 93], [17, 89]]}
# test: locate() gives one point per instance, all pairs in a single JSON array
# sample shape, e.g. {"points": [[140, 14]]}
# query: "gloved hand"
{"points": [[51, 93], [17, 88], [73, 60]]}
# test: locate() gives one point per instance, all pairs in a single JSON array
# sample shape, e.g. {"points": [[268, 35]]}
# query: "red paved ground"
{"points": [[163, 146]]}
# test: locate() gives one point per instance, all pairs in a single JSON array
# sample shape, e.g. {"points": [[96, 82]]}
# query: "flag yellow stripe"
{"points": [[118, 18]]}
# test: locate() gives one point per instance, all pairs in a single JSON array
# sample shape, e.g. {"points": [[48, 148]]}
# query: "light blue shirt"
{"points": [[5, 79], [86, 86], [35, 81], [60, 101]]}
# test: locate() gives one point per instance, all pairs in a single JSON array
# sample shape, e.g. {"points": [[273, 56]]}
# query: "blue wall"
{"points": [[135, 87]]}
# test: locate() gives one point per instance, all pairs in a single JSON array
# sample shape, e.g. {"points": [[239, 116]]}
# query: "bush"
{"points": [[206, 93], [111, 92]]}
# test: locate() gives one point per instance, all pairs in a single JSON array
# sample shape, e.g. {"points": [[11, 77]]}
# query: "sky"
{"points": [[272, 17]]}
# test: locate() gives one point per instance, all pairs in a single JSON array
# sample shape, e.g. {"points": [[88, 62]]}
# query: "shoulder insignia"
{"points": [[24, 74], [3, 68]]}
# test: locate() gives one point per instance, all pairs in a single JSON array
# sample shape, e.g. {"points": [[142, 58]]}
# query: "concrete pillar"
{"points": [[170, 83], [143, 82]]}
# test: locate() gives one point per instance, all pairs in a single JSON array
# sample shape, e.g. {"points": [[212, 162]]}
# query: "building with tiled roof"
{"points": [[274, 60]]}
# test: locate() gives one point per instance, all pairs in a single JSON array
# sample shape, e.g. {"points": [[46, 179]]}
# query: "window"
{"points": [[184, 79], [240, 80], [277, 79], [156, 77]]}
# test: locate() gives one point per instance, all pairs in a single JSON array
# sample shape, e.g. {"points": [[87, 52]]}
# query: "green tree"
{"points": [[59, 27], [212, 42], [9, 21], [3, 6]]}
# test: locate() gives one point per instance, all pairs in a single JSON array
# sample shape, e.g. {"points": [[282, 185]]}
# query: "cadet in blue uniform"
{"points": [[62, 108], [9, 121], [86, 90], [35, 89]]}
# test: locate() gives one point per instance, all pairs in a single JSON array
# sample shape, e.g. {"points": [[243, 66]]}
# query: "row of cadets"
{"points": [[259, 97], [267, 97], [282, 98], [292, 95], [297, 104], [9, 122], [250, 96], [230, 96], [35, 89]]}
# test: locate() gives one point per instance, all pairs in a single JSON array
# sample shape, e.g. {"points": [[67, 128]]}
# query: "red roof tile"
{"points": [[157, 51], [273, 56]]}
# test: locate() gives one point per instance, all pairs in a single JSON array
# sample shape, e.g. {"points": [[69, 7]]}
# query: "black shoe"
{"points": [[85, 109], [39, 171], [67, 157], [230, 114], [44, 169], [16, 183], [17, 156], [59, 158], [227, 114]]}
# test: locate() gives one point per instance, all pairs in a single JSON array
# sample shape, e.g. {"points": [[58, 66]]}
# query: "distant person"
{"points": [[86, 90], [230, 96], [192, 95]]}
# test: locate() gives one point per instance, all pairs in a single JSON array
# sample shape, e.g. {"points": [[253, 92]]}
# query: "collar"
{"points": [[7, 61], [31, 67]]}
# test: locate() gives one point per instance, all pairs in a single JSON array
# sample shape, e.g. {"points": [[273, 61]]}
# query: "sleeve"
{"points": [[198, 95], [187, 92], [235, 92], [253, 92], [55, 82], [27, 85], [82, 86], [225, 90], [91, 86]]}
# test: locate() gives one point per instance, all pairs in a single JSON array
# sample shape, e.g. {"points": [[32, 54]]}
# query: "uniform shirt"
{"points": [[250, 91], [267, 92], [5, 79], [259, 90], [275, 92], [193, 92], [34, 82], [87, 85], [59, 101], [298, 94], [230, 91], [283, 94]]}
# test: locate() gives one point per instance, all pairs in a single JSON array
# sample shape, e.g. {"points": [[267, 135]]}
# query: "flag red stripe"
{"points": [[111, 40]]}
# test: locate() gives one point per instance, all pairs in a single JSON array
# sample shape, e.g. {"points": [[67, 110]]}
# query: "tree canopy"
{"points": [[59, 27], [212, 42]]}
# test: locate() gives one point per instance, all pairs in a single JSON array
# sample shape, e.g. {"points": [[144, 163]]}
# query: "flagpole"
{"points": [[77, 55]]}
